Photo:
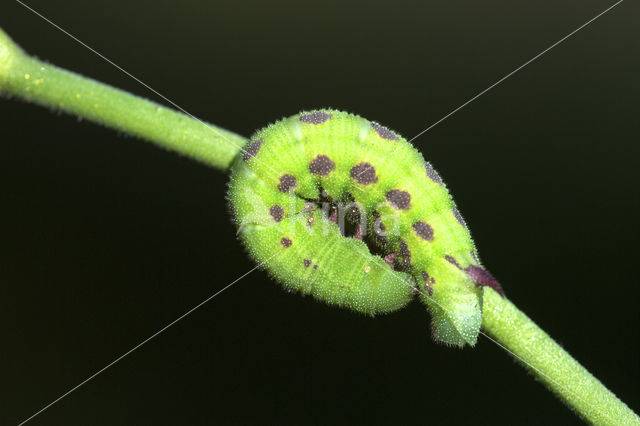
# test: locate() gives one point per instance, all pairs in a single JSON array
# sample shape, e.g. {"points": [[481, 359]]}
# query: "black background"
{"points": [[106, 239]]}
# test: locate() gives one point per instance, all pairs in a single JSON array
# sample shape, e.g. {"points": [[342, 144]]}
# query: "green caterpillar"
{"points": [[346, 210]]}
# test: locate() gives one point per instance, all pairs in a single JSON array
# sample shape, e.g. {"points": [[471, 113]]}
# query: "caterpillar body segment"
{"points": [[348, 211], [304, 259]]}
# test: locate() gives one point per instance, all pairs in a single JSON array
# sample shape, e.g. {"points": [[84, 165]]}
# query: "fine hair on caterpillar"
{"points": [[350, 216], [340, 205]]}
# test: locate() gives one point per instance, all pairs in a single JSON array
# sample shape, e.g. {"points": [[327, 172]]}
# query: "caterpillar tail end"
{"points": [[455, 317]]}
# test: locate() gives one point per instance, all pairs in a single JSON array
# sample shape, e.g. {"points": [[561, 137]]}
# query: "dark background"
{"points": [[106, 239]]}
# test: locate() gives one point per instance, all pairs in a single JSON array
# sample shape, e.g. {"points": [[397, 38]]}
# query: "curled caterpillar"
{"points": [[346, 210]]}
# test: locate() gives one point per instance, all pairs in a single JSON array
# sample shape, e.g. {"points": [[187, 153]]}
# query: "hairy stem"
{"points": [[551, 364], [35, 81], [32, 80]]}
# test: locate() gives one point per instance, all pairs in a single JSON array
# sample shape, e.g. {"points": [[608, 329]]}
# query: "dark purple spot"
{"points": [[453, 261], [424, 230], [400, 200], [307, 262], [315, 266], [459, 218], [321, 165], [428, 279], [428, 282], [433, 175], [252, 149], [405, 254], [364, 173], [286, 242], [315, 117], [390, 258], [287, 183], [384, 133], [276, 212], [483, 278]]}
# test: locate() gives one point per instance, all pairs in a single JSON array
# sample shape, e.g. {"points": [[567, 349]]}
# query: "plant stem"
{"points": [[33, 80], [541, 355]]}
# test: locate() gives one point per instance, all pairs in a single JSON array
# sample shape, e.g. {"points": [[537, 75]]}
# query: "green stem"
{"points": [[33, 80], [541, 355]]}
